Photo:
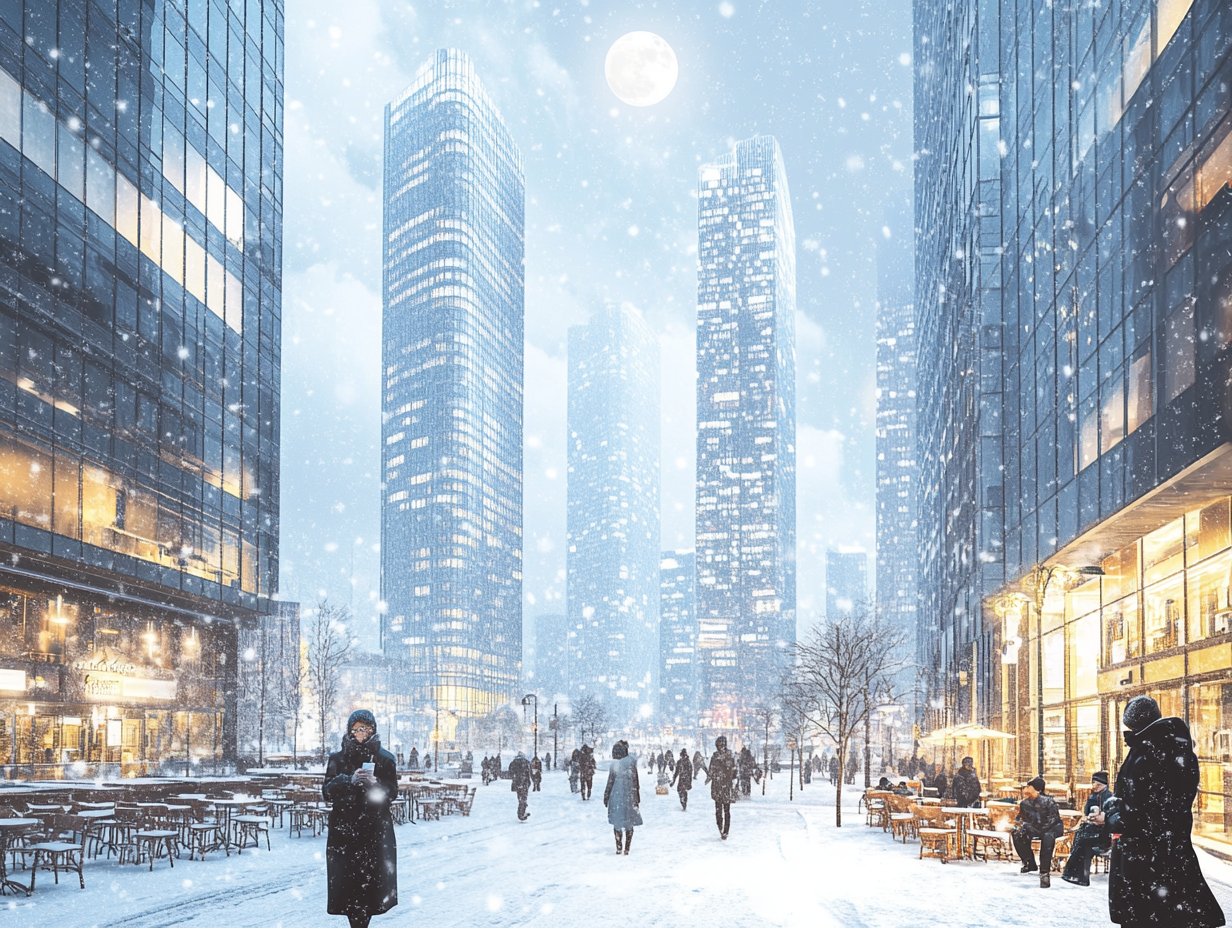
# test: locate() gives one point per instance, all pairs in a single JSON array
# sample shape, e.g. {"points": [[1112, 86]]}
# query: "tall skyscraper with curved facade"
{"points": [[140, 321], [746, 429], [451, 523]]}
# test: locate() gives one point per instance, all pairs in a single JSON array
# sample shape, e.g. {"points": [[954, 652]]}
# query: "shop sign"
{"points": [[13, 680], [111, 676]]}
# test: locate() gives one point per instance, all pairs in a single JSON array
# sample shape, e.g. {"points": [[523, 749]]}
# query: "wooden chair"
{"points": [[875, 808], [431, 808], [250, 826], [936, 839], [203, 832], [152, 838], [65, 849], [464, 802], [902, 818], [993, 840]]}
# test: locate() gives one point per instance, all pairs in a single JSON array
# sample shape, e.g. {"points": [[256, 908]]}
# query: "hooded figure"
{"points": [[413, 762], [361, 853], [965, 789], [575, 769], [587, 769], [519, 776], [1153, 877], [682, 779], [745, 765], [623, 795], [721, 775], [699, 764]]}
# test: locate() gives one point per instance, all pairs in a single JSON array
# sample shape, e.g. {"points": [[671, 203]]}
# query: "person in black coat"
{"points": [[682, 778], [1038, 818], [361, 853], [1153, 876], [587, 770], [965, 789], [941, 785], [744, 771], [721, 775], [520, 776], [536, 773], [1091, 834]]}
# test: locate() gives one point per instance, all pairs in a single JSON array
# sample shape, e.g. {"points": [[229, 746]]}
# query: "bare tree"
{"points": [[767, 714], [291, 682], [329, 647], [589, 718], [499, 729], [258, 670], [839, 668]]}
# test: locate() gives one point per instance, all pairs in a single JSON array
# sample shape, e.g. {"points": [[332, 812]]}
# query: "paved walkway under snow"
{"points": [[784, 864]]}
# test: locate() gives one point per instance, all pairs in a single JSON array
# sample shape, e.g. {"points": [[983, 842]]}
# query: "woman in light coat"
{"points": [[623, 796]]}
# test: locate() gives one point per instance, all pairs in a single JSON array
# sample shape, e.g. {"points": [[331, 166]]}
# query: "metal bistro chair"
{"points": [[251, 825], [151, 839], [203, 832], [65, 849]]}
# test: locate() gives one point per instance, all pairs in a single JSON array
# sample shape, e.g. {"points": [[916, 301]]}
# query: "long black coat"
{"points": [[361, 853], [721, 773], [1154, 877], [519, 774], [684, 773], [966, 789]]}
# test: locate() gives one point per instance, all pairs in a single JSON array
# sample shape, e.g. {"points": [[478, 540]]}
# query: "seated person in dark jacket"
{"points": [[1092, 834], [965, 789], [940, 784], [1038, 818]]}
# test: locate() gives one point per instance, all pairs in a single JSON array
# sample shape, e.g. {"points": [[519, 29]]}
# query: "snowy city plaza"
{"points": [[785, 864]]}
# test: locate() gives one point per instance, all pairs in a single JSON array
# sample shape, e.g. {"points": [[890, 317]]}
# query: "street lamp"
{"points": [[1036, 583], [535, 727]]}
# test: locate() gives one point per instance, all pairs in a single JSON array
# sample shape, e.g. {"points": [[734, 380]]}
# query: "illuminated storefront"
{"points": [[91, 688]]}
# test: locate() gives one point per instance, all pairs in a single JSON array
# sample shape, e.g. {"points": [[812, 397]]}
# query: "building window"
{"points": [[1141, 394], [1178, 372], [1164, 607], [1112, 414], [1088, 445], [1122, 639]]}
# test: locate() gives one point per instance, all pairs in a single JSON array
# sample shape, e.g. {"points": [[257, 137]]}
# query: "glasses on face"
{"points": [[362, 730]]}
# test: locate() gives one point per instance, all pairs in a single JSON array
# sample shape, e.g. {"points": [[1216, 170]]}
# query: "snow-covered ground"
{"points": [[784, 864]]}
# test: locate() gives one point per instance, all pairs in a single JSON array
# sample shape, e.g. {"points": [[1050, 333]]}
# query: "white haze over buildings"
{"points": [[611, 214]]}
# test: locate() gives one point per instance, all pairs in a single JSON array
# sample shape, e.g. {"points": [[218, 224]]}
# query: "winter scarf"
{"points": [[353, 750]]}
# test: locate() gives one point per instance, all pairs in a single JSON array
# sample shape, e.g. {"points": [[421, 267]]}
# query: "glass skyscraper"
{"points": [[1115, 154], [678, 667], [959, 136], [846, 581], [898, 556], [451, 522], [612, 563], [746, 429], [140, 318]]}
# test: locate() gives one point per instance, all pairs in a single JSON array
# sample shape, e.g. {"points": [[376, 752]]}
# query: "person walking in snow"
{"points": [[623, 796], [834, 770], [547, 761], [721, 775], [575, 770], [586, 765], [699, 764], [413, 762], [1153, 876], [965, 790], [744, 766], [361, 852], [536, 772], [519, 775], [682, 779]]}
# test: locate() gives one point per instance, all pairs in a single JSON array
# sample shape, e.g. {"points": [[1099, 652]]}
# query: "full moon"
{"points": [[641, 68]]}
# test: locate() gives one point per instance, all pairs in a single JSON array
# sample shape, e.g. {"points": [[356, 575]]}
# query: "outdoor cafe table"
{"points": [[962, 816], [10, 826], [928, 801], [96, 805], [226, 809]]}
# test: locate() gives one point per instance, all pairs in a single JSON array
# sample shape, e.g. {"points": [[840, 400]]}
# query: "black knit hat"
{"points": [[1037, 784], [1100, 777], [1141, 712]]}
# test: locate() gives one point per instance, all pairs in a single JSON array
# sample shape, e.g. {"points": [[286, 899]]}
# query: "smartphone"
{"points": [[370, 767]]}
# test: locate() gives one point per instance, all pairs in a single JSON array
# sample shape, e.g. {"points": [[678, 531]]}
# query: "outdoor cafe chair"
{"points": [[203, 832], [250, 826], [64, 849], [152, 839], [902, 819], [994, 840], [936, 839]]}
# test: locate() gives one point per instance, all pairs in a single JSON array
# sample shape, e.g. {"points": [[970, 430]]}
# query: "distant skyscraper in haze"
{"points": [[846, 580], [678, 640], [451, 524], [746, 429], [551, 657], [613, 511], [898, 556]]}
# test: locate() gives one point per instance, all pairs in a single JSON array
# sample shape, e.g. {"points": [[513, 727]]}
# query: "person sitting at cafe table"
{"points": [[1038, 819], [1092, 833], [940, 784], [965, 789]]}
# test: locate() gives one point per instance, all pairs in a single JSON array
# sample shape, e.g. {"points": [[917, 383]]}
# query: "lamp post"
{"points": [[528, 698], [555, 732], [1036, 583]]}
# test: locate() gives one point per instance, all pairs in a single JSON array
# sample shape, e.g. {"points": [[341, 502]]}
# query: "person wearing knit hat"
{"points": [[361, 853], [1153, 875], [1038, 819], [1091, 835]]}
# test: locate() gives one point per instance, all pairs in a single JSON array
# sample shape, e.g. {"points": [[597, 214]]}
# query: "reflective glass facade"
{"points": [[846, 581], [678, 661], [958, 139], [451, 521], [612, 521], [746, 429], [140, 316]]}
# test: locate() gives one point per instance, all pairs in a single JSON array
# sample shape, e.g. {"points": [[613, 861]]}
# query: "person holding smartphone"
{"points": [[361, 854]]}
